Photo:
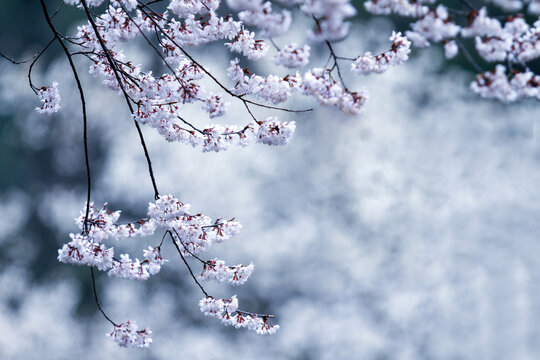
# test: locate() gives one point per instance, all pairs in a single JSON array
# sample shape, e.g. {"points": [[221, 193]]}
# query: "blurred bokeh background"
{"points": [[408, 232]]}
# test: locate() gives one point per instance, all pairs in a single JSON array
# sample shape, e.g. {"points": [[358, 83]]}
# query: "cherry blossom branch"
{"points": [[186, 248], [332, 54], [263, 316], [112, 64], [213, 77], [187, 265], [156, 50], [83, 105], [32, 58]]}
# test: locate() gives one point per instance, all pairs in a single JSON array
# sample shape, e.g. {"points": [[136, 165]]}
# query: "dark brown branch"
{"points": [[264, 316], [97, 299], [187, 265]]}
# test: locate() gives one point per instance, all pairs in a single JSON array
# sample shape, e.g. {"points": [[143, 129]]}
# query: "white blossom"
{"points": [[331, 17], [245, 43], [227, 311], [507, 88], [50, 99], [368, 63], [215, 106], [234, 275], [185, 8], [450, 49], [292, 56], [273, 132], [128, 335], [433, 26]]}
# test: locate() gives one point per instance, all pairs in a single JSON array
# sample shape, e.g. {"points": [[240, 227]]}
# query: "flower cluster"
{"points": [[215, 105], [515, 41], [187, 8], [272, 132], [433, 26], [227, 311], [87, 247], [217, 270], [330, 15], [258, 13], [369, 63], [82, 250], [400, 7], [245, 43], [50, 99], [128, 335], [292, 56], [195, 233], [508, 39], [127, 268], [320, 84], [507, 88]]}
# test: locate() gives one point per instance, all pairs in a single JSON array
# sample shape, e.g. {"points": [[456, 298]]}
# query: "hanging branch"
{"points": [[83, 105], [119, 80]]}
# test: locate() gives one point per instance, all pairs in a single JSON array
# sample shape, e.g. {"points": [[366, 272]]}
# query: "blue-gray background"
{"points": [[408, 232]]}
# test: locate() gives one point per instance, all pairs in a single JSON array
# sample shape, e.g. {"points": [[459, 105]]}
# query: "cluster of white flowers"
{"points": [[258, 13], [87, 248], [192, 32], [215, 105], [273, 132], [196, 232], [128, 335], [398, 54], [227, 311], [186, 8], [245, 43], [50, 99], [433, 26], [515, 41], [82, 250], [505, 87], [319, 83], [126, 268], [127, 4], [272, 88], [292, 56], [512, 40], [401, 7], [101, 225], [217, 270], [159, 100], [330, 15]]}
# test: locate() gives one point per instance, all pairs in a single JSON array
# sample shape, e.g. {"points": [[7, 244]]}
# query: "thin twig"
{"points": [[97, 299], [187, 265], [469, 57]]}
